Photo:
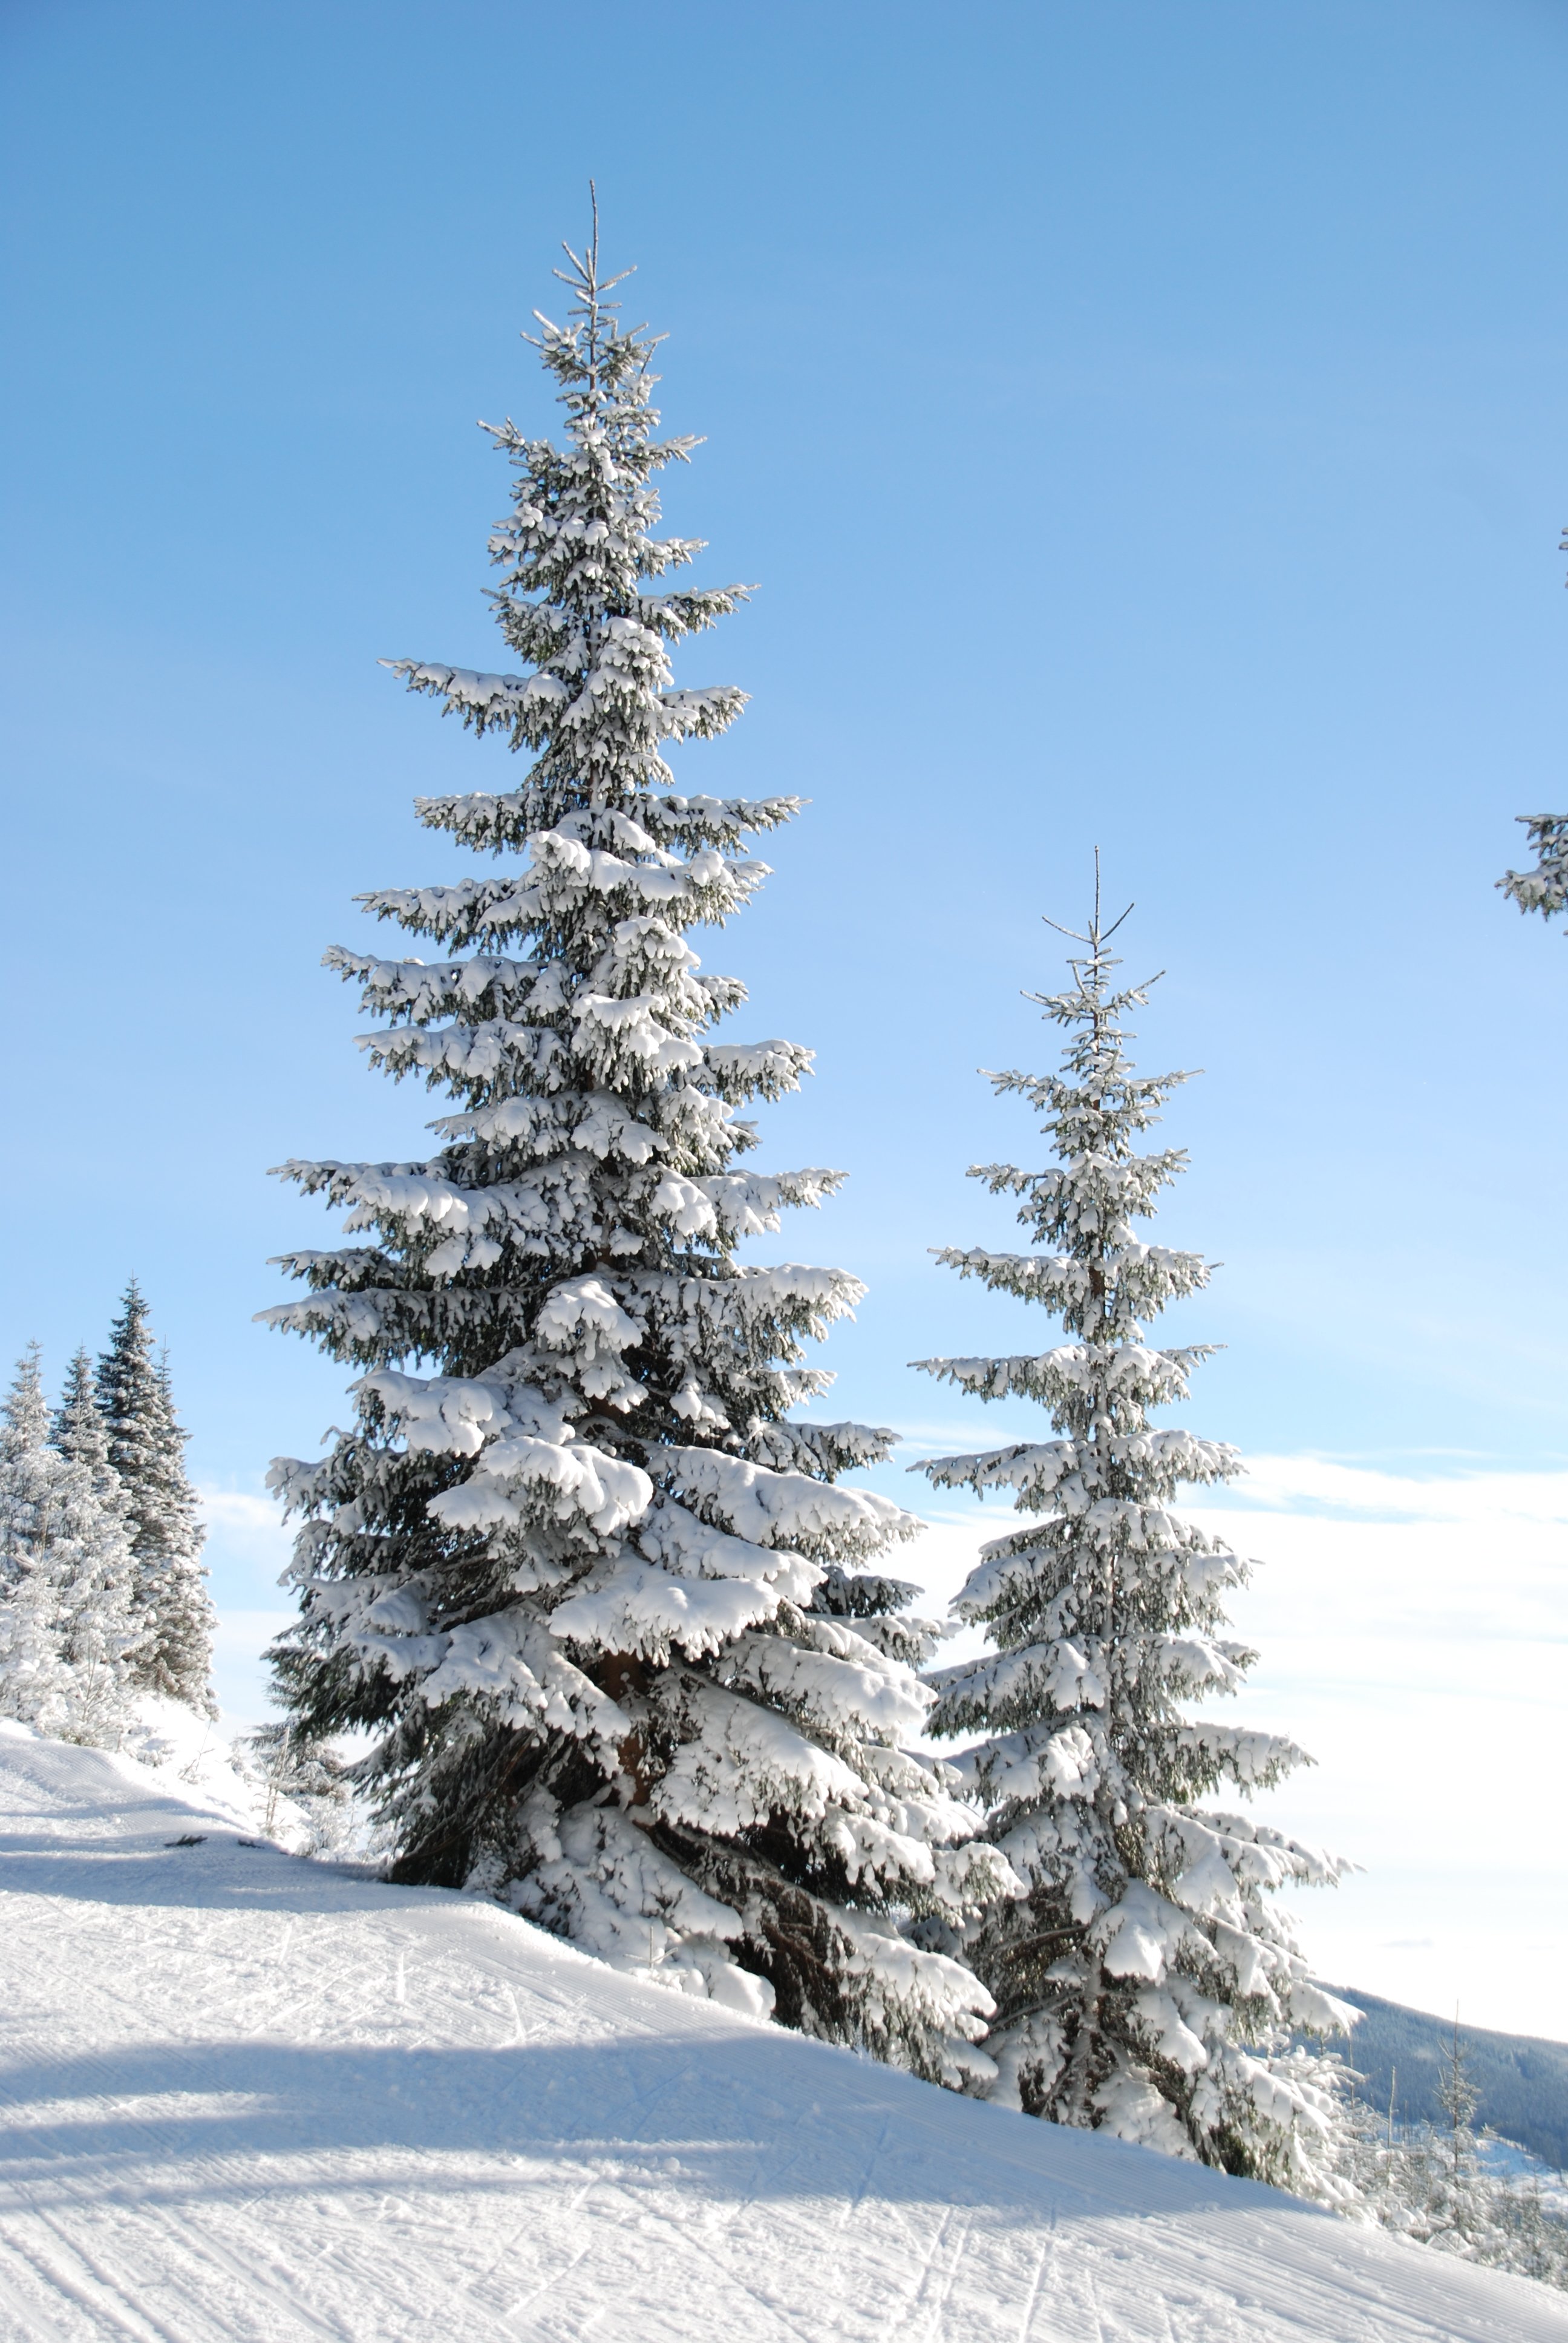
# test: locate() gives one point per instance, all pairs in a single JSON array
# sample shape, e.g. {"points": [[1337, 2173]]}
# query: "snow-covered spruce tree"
{"points": [[65, 1626], [174, 1615], [34, 1682], [594, 1594], [98, 1626], [81, 1432], [1145, 1984]]}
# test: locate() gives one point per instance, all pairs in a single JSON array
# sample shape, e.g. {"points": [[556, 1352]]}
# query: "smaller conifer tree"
{"points": [[1146, 1984], [146, 1448]]}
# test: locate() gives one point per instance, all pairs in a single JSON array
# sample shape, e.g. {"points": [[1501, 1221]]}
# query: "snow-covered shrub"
{"points": [[1146, 1984], [305, 1793], [595, 1592]]}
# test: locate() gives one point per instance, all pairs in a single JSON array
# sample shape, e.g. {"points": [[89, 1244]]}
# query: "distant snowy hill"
{"points": [[1522, 2081], [251, 2096]]}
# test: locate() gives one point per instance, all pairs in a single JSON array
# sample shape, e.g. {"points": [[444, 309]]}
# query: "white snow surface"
{"points": [[250, 2095]]}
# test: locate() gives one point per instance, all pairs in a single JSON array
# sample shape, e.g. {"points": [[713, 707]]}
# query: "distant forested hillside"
{"points": [[1523, 2082]]}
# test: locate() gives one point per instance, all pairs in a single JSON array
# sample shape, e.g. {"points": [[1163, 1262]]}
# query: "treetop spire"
{"points": [[584, 278], [1096, 937]]}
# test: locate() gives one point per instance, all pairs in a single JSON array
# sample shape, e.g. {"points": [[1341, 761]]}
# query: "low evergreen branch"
{"points": [[1544, 889]]}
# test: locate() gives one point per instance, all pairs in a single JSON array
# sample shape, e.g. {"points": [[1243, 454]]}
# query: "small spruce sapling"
{"points": [[1442, 2185], [1459, 2099]]}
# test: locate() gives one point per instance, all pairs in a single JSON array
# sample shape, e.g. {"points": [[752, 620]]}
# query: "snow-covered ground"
{"points": [[1509, 2161], [250, 2096]]}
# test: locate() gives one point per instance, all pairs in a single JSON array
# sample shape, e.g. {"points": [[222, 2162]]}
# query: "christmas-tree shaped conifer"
{"points": [[594, 1591], [1147, 1981], [174, 1616]]}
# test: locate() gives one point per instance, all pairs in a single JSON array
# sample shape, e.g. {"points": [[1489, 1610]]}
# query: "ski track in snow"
{"points": [[247, 2095]]}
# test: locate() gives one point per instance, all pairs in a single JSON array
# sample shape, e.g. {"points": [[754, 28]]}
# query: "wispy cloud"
{"points": [[236, 1509], [1303, 1484], [248, 1546]]}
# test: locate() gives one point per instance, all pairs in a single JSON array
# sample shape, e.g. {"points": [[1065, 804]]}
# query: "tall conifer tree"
{"points": [[595, 1592], [146, 1448], [1145, 1979]]}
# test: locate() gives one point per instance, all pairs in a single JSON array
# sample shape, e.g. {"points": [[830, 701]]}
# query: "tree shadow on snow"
{"points": [[743, 2111], [221, 1872], [747, 2115]]}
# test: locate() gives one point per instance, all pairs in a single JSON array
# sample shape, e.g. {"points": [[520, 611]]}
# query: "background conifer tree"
{"points": [[97, 1623], [64, 1572], [1143, 1982], [81, 1432], [595, 1594], [174, 1616], [34, 1682], [1443, 2184]]}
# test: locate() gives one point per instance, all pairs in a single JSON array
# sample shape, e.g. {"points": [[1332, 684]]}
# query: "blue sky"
{"points": [[1144, 425]]}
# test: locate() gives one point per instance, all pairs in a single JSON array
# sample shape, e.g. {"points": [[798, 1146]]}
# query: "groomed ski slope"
{"points": [[248, 2095]]}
